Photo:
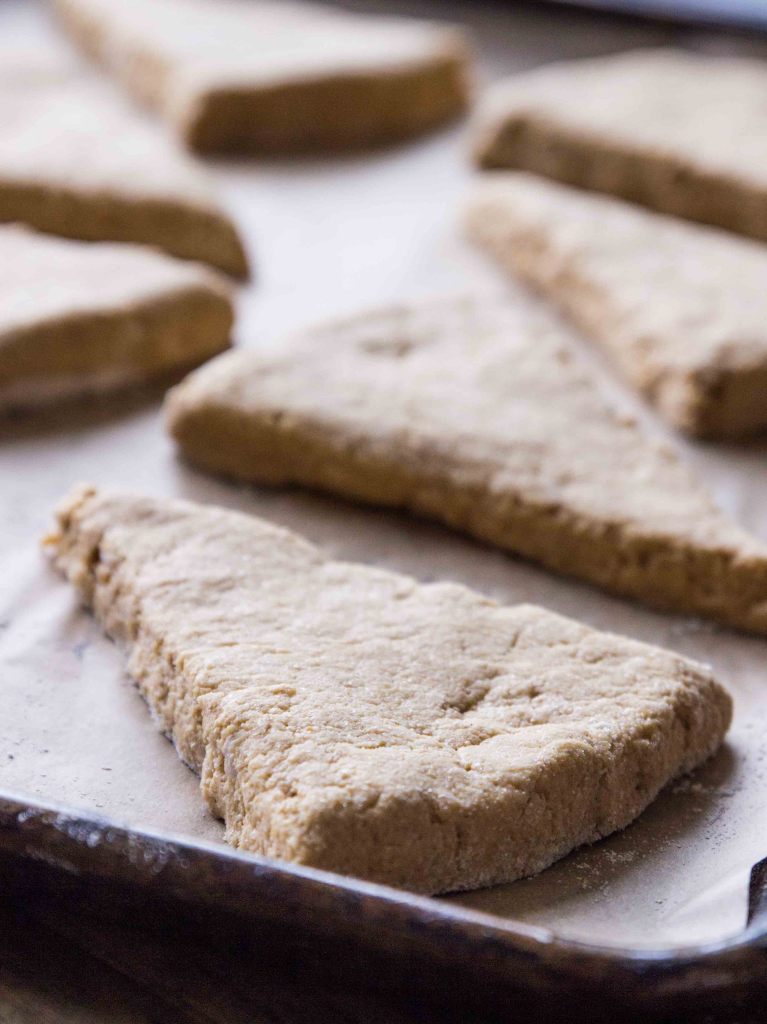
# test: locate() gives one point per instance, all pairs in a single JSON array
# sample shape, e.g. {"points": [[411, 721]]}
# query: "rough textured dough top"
{"points": [[177, 54], [482, 414], [682, 307], [354, 719], [706, 111]]}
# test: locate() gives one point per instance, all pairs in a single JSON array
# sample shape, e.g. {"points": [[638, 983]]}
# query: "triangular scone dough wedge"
{"points": [[82, 318], [681, 308], [77, 160], [276, 76], [679, 132], [480, 414], [353, 719]]}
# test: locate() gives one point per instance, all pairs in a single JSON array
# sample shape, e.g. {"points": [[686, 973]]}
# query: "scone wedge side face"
{"points": [[698, 351], [357, 721], [120, 316], [481, 414], [333, 113], [186, 230]]}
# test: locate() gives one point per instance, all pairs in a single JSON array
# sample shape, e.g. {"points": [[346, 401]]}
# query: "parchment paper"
{"points": [[330, 237]]}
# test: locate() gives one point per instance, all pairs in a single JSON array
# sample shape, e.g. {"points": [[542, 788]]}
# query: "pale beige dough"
{"points": [[233, 75], [76, 160], [680, 132], [481, 414], [681, 308], [82, 318], [355, 720]]}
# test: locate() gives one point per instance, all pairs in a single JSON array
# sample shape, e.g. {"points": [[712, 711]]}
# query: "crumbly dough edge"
{"points": [[201, 313], [266, 447]]}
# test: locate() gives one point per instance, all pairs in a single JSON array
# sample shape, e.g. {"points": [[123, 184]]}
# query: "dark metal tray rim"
{"points": [[96, 848]]}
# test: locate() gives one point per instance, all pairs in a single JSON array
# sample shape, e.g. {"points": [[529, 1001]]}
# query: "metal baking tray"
{"points": [[653, 918], [446, 963]]}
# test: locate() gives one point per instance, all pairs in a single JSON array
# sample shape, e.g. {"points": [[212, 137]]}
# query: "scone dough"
{"points": [[273, 75], [681, 308], [481, 414], [679, 132], [355, 720], [81, 318], [77, 160]]}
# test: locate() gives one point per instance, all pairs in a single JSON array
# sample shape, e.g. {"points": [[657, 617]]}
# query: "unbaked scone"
{"points": [[84, 318], [273, 75], [681, 308], [77, 160], [679, 132], [356, 720], [481, 414]]}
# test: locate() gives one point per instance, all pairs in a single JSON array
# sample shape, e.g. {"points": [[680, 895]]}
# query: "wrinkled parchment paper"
{"points": [[329, 237]]}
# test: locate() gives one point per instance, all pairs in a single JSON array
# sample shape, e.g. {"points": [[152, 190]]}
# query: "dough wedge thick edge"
{"points": [[94, 340], [551, 121], [471, 744], [482, 415]]}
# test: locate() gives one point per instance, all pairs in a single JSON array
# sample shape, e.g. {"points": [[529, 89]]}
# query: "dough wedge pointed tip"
{"points": [[118, 316], [59, 172], [697, 348], [484, 416], [355, 720]]}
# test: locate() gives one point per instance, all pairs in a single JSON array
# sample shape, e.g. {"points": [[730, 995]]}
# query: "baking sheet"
{"points": [[329, 237]]}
